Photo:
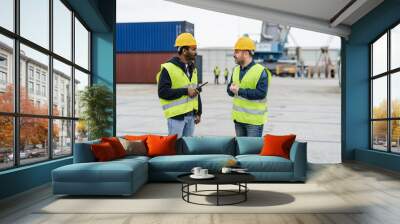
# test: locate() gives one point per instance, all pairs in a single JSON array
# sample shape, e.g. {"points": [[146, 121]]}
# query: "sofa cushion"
{"points": [[185, 163], [257, 163], [207, 145], [161, 145], [103, 152], [116, 145], [275, 145], [134, 147], [137, 137], [83, 152], [112, 171], [248, 145]]}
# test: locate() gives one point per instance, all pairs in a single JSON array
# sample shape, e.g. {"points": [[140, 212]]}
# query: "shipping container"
{"points": [[141, 68], [150, 36]]}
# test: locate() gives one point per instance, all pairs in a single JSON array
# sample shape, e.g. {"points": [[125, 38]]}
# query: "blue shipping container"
{"points": [[150, 36]]}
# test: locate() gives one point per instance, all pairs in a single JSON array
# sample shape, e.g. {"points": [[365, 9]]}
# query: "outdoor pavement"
{"points": [[309, 108]]}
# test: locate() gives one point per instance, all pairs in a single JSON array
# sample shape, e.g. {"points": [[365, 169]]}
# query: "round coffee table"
{"points": [[238, 179]]}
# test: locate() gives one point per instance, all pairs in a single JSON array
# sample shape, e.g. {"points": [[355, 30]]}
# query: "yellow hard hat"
{"points": [[245, 43], [185, 39]]}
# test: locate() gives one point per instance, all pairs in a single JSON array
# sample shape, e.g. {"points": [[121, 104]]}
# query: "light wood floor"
{"points": [[377, 188]]}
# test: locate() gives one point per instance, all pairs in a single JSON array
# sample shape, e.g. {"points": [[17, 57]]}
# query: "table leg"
{"points": [[245, 193], [217, 194]]}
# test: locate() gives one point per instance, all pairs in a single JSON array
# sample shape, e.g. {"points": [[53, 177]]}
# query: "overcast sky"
{"points": [[212, 29]]}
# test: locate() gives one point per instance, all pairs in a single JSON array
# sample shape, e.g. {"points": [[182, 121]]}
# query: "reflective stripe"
{"points": [[255, 101], [177, 103], [249, 111]]}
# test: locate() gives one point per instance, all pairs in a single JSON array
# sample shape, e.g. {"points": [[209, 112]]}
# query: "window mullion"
{"points": [[16, 84], [50, 81], [389, 95]]}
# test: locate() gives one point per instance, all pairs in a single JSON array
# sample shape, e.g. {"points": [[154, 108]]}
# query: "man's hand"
{"points": [[192, 92], [234, 89], [197, 119]]}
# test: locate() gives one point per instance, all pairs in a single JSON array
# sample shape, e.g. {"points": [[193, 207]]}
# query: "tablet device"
{"points": [[198, 87]]}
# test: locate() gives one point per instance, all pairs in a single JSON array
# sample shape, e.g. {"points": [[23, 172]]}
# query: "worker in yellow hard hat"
{"points": [[248, 86], [226, 74], [217, 72], [177, 88]]}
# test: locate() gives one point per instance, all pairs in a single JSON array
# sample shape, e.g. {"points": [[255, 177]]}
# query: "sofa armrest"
{"points": [[83, 152], [298, 155]]}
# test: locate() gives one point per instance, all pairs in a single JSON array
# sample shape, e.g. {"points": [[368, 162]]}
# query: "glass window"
{"points": [[38, 89], [62, 72], [6, 74], [81, 45], [3, 61], [6, 142], [62, 137], [379, 98], [35, 21], [31, 88], [379, 55], [34, 80], [62, 29], [33, 139], [81, 131], [40, 62], [30, 71], [44, 91], [395, 95], [381, 117], [395, 136], [3, 78], [81, 81], [395, 47], [379, 135], [7, 14]]}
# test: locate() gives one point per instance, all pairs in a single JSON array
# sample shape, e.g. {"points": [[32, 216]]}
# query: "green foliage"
{"points": [[96, 102]]}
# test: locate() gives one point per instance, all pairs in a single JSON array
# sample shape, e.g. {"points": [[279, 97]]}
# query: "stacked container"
{"points": [[143, 47]]}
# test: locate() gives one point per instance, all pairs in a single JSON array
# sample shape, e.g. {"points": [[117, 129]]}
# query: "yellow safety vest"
{"points": [[247, 111], [179, 79]]}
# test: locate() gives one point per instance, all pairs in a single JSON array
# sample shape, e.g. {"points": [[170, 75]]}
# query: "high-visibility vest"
{"points": [[217, 71], [179, 79], [247, 111], [226, 73]]}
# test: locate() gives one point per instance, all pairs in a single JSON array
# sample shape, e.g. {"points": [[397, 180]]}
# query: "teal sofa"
{"points": [[125, 176]]}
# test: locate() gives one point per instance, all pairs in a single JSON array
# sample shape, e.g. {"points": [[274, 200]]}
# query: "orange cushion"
{"points": [[116, 145], [103, 151], [136, 137], [161, 145], [277, 145]]}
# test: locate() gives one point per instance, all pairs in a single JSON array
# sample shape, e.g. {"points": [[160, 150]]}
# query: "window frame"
{"points": [[388, 74], [16, 114]]}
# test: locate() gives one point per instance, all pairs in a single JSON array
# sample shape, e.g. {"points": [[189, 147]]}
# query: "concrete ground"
{"points": [[309, 108]]}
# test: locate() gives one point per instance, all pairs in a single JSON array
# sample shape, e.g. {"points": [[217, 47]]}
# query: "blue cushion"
{"points": [[83, 153], [185, 163], [207, 145], [257, 163], [249, 145]]}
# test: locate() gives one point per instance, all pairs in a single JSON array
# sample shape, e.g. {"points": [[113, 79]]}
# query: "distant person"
{"points": [[177, 88], [226, 74], [217, 72], [248, 87]]}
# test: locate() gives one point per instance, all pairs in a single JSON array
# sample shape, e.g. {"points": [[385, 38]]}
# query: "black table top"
{"points": [[220, 178]]}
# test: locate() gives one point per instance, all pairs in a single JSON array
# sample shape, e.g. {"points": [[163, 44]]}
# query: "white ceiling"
{"points": [[315, 15]]}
